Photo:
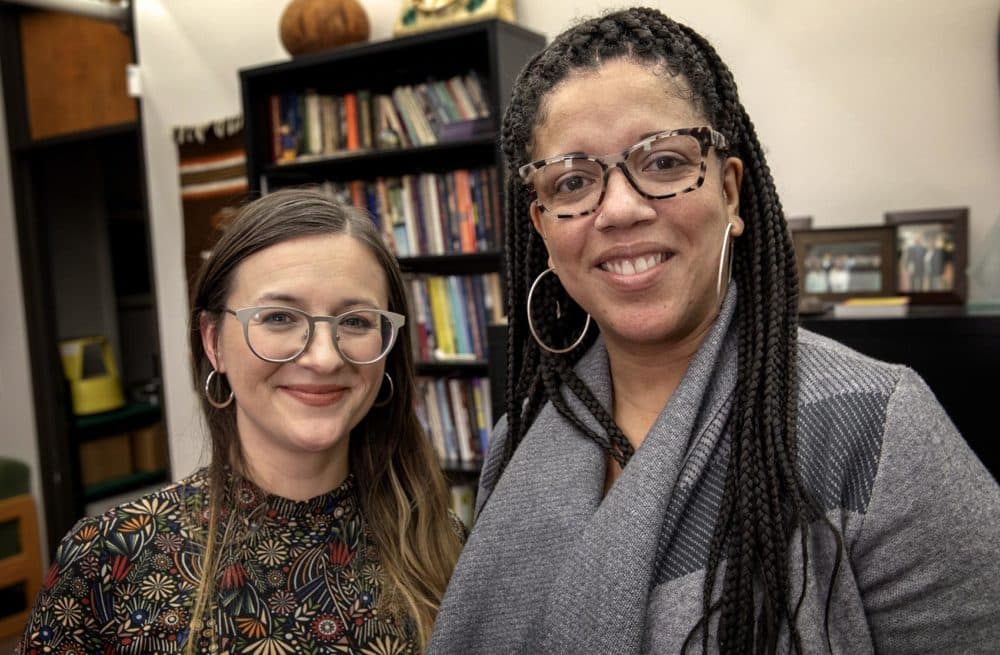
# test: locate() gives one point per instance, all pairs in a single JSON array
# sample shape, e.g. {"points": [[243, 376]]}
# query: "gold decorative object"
{"points": [[314, 25], [420, 15]]}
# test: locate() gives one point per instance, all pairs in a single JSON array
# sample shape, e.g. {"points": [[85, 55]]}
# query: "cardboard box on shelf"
{"points": [[149, 448], [106, 458]]}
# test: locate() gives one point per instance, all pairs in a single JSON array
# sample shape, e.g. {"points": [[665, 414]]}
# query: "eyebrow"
{"points": [[278, 297], [577, 153]]}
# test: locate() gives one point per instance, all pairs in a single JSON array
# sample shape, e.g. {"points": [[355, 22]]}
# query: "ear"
{"points": [[732, 178], [536, 220], [209, 330]]}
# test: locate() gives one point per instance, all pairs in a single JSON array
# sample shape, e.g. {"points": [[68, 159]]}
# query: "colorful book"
{"points": [[351, 118]]}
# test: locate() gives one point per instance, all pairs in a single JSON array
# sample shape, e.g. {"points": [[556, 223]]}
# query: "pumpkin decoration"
{"points": [[313, 25]]}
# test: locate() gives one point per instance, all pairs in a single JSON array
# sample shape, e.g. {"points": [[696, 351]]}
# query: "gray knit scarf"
{"points": [[583, 584]]}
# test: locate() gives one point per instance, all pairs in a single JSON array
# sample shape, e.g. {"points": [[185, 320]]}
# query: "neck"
{"points": [[644, 378], [295, 476]]}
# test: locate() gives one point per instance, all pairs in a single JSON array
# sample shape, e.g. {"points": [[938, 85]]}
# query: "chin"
{"points": [[319, 438]]}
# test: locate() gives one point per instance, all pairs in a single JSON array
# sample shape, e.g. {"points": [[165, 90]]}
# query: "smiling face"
{"points": [[307, 406], [644, 269]]}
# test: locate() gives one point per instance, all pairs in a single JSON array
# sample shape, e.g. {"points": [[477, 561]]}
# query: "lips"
{"points": [[633, 265], [315, 395]]}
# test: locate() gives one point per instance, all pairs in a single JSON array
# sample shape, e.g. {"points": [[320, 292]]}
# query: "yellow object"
{"points": [[877, 301], [420, 15], [93, 377]]}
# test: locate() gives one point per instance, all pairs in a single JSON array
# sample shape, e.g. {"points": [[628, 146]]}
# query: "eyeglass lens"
{"points": [[362, 336], [666, 166]]}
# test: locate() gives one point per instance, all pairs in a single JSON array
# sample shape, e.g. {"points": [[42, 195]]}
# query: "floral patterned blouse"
{"points": [[299, 577]]}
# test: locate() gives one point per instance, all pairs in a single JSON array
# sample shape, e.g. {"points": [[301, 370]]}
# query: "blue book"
{"points": [[459, 315], [447, 422]]}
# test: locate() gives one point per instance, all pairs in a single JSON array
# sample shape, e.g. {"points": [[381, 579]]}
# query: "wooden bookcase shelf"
{"points": [[494, 50]]}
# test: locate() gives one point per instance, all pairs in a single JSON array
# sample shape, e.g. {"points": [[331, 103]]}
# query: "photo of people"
{"points": [[925, 256], [846, 267]]}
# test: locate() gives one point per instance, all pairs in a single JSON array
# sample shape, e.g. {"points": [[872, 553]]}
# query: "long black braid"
{"points": [[764, 500]]}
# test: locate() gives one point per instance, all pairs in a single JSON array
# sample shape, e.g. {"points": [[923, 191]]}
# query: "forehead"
{"points": [[607, 109], [317, 269]]}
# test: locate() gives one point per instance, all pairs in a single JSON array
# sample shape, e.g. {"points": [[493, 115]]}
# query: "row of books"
{"points": [[451, 315], [456, 414], [311, 124], [431, 213]]}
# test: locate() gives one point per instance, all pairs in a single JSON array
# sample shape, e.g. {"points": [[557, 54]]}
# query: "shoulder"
{"points": [[829, 368], [168, 500], [492, 463], [167, 509], [843, 408]]}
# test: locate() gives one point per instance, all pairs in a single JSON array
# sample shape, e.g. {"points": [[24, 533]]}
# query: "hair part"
{"points": [[764, 499], [401, 490]]}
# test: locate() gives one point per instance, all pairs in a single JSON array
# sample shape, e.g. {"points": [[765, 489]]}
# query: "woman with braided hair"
{"points": [[681, 469]]}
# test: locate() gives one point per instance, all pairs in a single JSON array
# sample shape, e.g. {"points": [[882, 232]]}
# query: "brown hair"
{"points": [[401, 489]]}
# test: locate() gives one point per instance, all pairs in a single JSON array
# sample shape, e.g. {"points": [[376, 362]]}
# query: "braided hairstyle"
{"points": [[764, 499]]}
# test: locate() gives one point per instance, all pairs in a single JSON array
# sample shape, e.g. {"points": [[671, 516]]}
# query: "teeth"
{"points": [[633, 266]]}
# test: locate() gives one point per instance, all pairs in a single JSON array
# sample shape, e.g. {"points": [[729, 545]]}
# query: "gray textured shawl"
{"points": [[553, 567]]}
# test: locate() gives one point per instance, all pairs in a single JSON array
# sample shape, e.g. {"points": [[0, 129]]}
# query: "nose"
{"points": [[321, 354], [623, 206]]}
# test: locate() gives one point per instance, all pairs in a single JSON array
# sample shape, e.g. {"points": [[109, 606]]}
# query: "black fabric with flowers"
{"points": [[297, 577]]}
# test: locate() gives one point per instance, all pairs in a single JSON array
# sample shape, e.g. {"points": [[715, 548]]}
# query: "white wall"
{"points": [[863, 105], [18, 438]]}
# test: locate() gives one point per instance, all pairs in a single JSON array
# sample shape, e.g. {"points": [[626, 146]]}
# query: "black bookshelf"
{"points": [[494, 49]]}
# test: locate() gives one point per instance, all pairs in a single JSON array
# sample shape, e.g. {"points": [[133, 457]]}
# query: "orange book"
{"points": [[466, 212], [358, 194], [351, 114]]}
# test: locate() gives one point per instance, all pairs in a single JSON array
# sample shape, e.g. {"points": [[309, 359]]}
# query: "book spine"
{"points": [[314, 136], [447, 422], [459, 318], [274, 116], [437, 433], [461, 419], [351, 116], [444, 336]]}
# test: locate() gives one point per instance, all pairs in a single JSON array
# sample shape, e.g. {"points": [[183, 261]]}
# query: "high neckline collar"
{"points": [[247, 496]]}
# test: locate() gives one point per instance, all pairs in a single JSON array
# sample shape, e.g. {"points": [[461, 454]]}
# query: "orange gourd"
{"points": [[313, 25]]}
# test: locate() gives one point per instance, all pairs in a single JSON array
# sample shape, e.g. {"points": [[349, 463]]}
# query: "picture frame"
{"points": [[799, 223], [931, 254], [835, 264]]}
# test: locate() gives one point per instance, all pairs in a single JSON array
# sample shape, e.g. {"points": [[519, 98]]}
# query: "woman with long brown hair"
{"points": [[321, 521]]}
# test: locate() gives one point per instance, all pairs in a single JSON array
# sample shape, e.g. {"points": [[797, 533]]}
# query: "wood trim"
{"points": [[74, 73]]}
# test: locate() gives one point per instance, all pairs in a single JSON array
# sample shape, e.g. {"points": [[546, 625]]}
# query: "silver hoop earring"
{"points": [[392, 392], [531, 325], [208, 393], [722, 263]]}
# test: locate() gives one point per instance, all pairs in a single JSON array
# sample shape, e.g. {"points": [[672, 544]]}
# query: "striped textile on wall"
{"points": [[213, 181]]}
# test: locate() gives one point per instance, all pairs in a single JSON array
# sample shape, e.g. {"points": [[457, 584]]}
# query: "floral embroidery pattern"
{"points": [[298, 578]]}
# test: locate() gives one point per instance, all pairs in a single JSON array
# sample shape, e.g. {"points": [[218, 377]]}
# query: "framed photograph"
{"points": [[931, 254], [839, 263], [797, 223]]}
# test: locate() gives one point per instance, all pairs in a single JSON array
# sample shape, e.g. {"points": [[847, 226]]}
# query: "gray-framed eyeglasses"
{"points": [[663, 165], [281, 334]]}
